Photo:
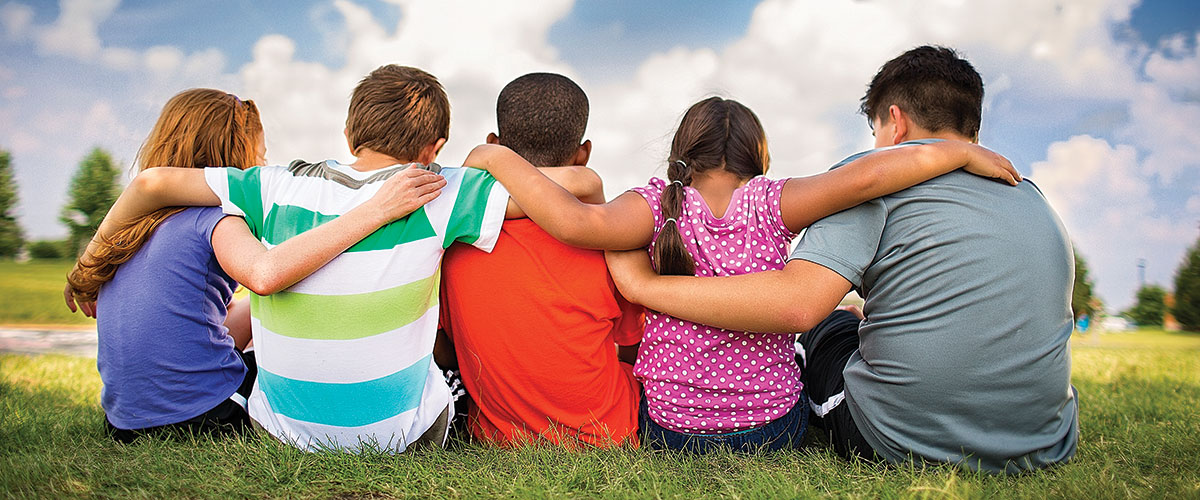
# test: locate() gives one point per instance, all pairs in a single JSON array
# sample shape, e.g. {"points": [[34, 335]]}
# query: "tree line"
{"points": [[96, 185]]}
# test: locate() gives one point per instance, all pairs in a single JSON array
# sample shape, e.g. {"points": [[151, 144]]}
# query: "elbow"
{"points": [[147, 182], [799, 319], [263, 284]]}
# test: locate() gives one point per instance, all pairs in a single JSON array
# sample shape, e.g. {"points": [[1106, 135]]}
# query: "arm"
{"points": [[237, 320], [808, 199], [622, 224], [793, 299], [265, 271], [581, 182]]}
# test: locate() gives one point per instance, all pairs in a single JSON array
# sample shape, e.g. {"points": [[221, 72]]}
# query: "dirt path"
{"points": [[34, 339]]}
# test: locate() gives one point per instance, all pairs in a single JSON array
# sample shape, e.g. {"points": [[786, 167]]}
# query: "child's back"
{"points": [[535, 324], [345, 355]]}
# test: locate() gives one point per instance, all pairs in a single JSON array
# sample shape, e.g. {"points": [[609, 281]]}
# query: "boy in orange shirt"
{"points": [[536, 324]]}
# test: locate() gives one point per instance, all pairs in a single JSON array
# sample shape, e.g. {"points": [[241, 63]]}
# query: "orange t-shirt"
{"points": [[535, 326]]}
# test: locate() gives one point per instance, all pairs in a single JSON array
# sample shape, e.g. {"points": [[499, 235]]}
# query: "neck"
{"points": [[366, 160], [949, 135], [717, 187]]}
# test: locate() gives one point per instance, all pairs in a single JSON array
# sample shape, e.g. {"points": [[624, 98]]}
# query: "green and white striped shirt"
{"points": [[345, 355]]}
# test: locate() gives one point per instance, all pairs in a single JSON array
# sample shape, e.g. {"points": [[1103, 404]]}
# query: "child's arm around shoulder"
{"points": [[808, 199], [265, 271], [582, 182], [622, 224]]}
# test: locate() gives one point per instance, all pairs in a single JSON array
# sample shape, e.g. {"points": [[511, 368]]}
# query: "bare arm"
{"points": [[793, 299], [266, 271], [808, 199], [622, 224], [581, 182], [237, 320]]}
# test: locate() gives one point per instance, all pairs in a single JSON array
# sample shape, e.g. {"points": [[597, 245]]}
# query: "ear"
{"points": [[582, 154], [492, 138], [429, 153], [902, 125]]}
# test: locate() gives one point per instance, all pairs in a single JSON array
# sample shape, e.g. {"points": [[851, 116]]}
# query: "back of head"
{"points": [[397, 110], [934, 86], [715, 133], [542, 117], [197, 128], [203, 128]]}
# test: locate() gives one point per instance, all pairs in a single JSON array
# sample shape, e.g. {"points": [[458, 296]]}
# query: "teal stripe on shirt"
{"points": [[245, 191], [469, 208], [346, 405], [286, 221]]}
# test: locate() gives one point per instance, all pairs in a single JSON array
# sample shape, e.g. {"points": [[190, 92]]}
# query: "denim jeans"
{"points": [[783, 432]]}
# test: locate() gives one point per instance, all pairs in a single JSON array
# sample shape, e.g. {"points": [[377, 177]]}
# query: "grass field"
{"points": [[1140, 438], [31, 294]]}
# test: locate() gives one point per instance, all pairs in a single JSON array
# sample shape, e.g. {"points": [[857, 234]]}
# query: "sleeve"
{"points": [[652, 193], [240, 192], [478, 212], [772, 209], [845, 242], [632, 322]]}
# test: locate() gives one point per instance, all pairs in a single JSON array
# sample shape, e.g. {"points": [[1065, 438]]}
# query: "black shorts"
{"points": [[827, 348], [228, 417]]}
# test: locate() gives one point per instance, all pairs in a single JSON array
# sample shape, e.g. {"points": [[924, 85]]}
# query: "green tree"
{"points": [[1187, 290], [1082, 300], [1151, 306], [12, 238], [93, 190]]}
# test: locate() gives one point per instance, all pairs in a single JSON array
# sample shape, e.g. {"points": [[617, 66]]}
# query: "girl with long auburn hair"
{"points": [[717, 215], [171, 342]]}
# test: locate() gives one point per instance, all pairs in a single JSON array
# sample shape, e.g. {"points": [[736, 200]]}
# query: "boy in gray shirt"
{"points": [[963, 355]]}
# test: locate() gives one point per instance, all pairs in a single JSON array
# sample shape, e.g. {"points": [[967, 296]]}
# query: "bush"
{"points": [[1187, 290], [48, 249], [1151, 306]]}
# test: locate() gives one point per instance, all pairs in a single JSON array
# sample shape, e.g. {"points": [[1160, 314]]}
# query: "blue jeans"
{"points": [[783, 432]]}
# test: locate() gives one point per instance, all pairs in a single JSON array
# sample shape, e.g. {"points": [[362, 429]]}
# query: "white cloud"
{"points": [[16, 19], [74, 33], [1101, 193]]}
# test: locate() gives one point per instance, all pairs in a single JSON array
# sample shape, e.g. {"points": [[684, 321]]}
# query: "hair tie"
{"points": [[681, 162], [671, 219], [677, 181]]}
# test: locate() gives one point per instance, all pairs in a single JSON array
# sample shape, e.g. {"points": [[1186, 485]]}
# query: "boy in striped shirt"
{"points": [[345, 355]]}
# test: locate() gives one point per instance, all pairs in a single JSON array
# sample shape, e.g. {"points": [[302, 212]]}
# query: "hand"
{"points": [[984, 162], [405, 192], [88, 308], [853, 309], [629, 269]]}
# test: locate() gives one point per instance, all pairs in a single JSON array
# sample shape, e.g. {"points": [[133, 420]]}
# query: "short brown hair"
{"points": [[397, 110], [542, 117], [936, 87]]}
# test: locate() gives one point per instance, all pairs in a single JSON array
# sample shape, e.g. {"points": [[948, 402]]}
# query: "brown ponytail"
{"points": [[714, 133], [197, 128]]}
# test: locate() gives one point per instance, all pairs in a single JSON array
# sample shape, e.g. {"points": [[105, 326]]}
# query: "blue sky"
{"points": [[1096, 100]]}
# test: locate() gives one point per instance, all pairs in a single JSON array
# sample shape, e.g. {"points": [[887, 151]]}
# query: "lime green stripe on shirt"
{"points": [[345, 317], [245, 191], [469, 208], [286, 221]]}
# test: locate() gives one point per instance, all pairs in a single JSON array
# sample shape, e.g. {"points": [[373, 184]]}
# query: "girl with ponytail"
{"points": [[171, 349], [716, 214]]}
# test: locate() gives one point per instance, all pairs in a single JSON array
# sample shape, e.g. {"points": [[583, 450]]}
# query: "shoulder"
{"points": [[653, 188]]}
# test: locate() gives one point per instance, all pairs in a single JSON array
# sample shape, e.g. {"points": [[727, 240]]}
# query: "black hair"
{"points": [[938, 89], [542, 117]]}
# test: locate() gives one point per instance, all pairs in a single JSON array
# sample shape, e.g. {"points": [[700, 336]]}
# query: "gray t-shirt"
{"points": [[964, 356]]}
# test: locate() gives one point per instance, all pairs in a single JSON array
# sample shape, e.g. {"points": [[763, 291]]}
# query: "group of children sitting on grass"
{"points": [[369, 280]]}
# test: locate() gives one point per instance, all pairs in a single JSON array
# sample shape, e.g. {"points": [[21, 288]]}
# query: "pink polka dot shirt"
{"points": [[705, 380]]}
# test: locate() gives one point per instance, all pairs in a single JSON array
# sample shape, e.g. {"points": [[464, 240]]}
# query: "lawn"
{"points": [[32, 294], [1140, 427]]}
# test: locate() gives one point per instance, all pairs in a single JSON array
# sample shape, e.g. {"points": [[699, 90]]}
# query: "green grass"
{"points": [[32, 294], [1140, 437]]}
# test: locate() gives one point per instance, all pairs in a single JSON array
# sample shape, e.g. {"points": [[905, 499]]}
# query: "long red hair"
{"points": [[197, 128]]}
